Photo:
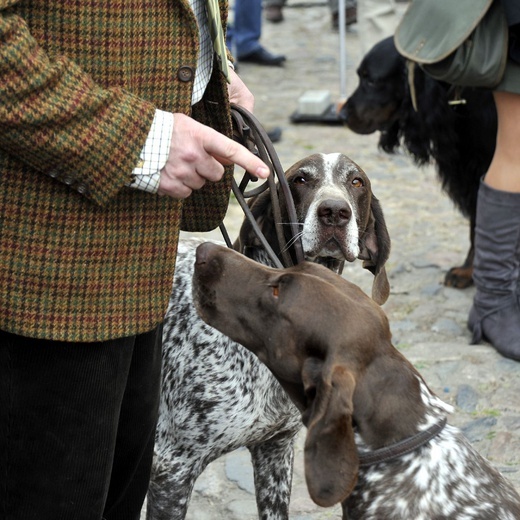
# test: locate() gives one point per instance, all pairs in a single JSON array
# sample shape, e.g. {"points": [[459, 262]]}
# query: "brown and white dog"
{"points": [[377, 438], [216, 396]]}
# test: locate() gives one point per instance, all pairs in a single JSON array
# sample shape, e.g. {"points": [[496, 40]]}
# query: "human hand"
{"points": [[238, 93], [198, 154]]}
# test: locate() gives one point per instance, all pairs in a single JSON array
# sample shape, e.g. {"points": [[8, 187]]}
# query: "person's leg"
{"points": [[59, 411], [273, 10], [59, 404], [495, 314], [504, 170], [246, 35], [247, 26], [136, 431]]}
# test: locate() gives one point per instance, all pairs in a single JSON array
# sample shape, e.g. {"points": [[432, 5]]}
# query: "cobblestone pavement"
{"points": [[428, 320]]}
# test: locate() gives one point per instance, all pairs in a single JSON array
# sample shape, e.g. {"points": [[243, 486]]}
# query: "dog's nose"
{"points": [[344, 112], [333, 212], [203, 252], [209, 262]]}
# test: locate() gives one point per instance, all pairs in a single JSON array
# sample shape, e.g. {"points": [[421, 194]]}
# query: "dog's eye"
{"points": [[367, 79], [300, 179], [276, 290], [357, 182]]}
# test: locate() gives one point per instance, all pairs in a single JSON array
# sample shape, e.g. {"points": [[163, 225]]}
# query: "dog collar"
{"points": [[403, 447]]}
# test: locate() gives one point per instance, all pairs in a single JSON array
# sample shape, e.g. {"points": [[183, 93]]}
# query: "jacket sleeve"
{"points": [[58, 121]]}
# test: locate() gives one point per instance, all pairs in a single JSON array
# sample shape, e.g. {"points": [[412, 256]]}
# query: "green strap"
{"points": [[217, 36]]}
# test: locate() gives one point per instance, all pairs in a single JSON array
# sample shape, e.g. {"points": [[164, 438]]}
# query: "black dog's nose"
{"points": [[343, 112], [334, 212]]}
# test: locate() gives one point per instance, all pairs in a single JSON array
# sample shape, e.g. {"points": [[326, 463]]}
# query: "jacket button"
{"points": [[185, 73], [83, 188]]}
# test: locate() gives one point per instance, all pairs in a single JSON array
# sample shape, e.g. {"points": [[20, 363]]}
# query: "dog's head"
{"points": [[383, 102], [338, 215], [375, 103], [328, 344]]}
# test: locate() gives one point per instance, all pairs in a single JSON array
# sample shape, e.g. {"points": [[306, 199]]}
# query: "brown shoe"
{"points": [[350, 17], [273, 13]]}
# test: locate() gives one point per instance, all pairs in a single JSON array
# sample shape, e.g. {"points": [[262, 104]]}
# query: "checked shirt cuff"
{"points": [[154, 154]]}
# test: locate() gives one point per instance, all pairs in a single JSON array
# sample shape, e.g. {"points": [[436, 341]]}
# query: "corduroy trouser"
{"points": [[77, 426]]}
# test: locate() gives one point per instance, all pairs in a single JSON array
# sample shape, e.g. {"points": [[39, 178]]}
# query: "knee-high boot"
{"points": [[495, 314]]}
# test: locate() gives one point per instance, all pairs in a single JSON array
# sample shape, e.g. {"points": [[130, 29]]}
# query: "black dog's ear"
{"points": [[331, 459], [390, 138], [261, 208], [375, 250]]}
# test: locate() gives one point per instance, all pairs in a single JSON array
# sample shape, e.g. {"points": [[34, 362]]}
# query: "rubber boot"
{"points": [[495, 314]]}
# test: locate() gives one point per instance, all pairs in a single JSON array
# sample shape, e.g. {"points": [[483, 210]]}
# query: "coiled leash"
{"points": [[250, 133]]}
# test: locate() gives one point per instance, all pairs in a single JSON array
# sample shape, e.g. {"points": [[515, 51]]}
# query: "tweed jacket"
{"points": [[83, 257]]}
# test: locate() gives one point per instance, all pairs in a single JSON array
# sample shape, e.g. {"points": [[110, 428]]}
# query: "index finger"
{"points": [[226, 151]]}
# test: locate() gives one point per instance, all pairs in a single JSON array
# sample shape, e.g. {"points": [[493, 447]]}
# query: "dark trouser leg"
{"points": [[60, 407], [136, 434]]}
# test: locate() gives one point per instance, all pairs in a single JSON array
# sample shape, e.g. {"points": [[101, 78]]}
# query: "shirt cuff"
{"points": [[146, 174]]}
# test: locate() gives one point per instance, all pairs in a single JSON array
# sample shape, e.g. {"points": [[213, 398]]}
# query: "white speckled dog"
{"points": [[377, 438], [216, 395]]}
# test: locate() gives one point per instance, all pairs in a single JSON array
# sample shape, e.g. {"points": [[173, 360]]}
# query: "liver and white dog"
{"points": [[377, 438]]}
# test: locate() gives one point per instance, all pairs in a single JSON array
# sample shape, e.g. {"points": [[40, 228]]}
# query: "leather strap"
{"points": [[250, 133]]}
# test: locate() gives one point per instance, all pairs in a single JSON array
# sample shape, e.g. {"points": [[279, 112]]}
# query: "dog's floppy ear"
{"points": [[375, 250], [390, 138], [331, 459], [261, 208]]}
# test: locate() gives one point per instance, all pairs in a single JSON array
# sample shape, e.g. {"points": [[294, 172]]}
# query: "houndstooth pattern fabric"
{"points": [[82, 256], [146, 176]]}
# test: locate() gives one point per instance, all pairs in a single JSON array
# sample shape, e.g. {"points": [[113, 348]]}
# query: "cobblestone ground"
{"points": [[428, 320]]}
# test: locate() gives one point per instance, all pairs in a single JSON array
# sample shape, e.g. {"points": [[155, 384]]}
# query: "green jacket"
{"points": [[82, 257]]}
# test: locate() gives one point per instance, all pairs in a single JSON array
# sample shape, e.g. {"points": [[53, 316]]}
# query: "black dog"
{"points": [[459, 138]]}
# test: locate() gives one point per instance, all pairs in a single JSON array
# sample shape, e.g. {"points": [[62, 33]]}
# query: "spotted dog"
{"points": [[216, 396]]}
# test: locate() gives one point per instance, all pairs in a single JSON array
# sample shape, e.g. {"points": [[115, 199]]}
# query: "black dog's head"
{"points": [[375, 103], [458, 137]]}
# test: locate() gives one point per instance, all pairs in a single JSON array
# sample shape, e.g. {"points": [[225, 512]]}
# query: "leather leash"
{"points": [[250, 133]]}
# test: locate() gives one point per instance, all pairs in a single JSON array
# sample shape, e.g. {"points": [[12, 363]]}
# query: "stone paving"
{"points": [[428, 320]]}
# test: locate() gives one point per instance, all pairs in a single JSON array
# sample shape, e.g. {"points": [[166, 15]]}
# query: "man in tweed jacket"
{"points": [[114, 133]]}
